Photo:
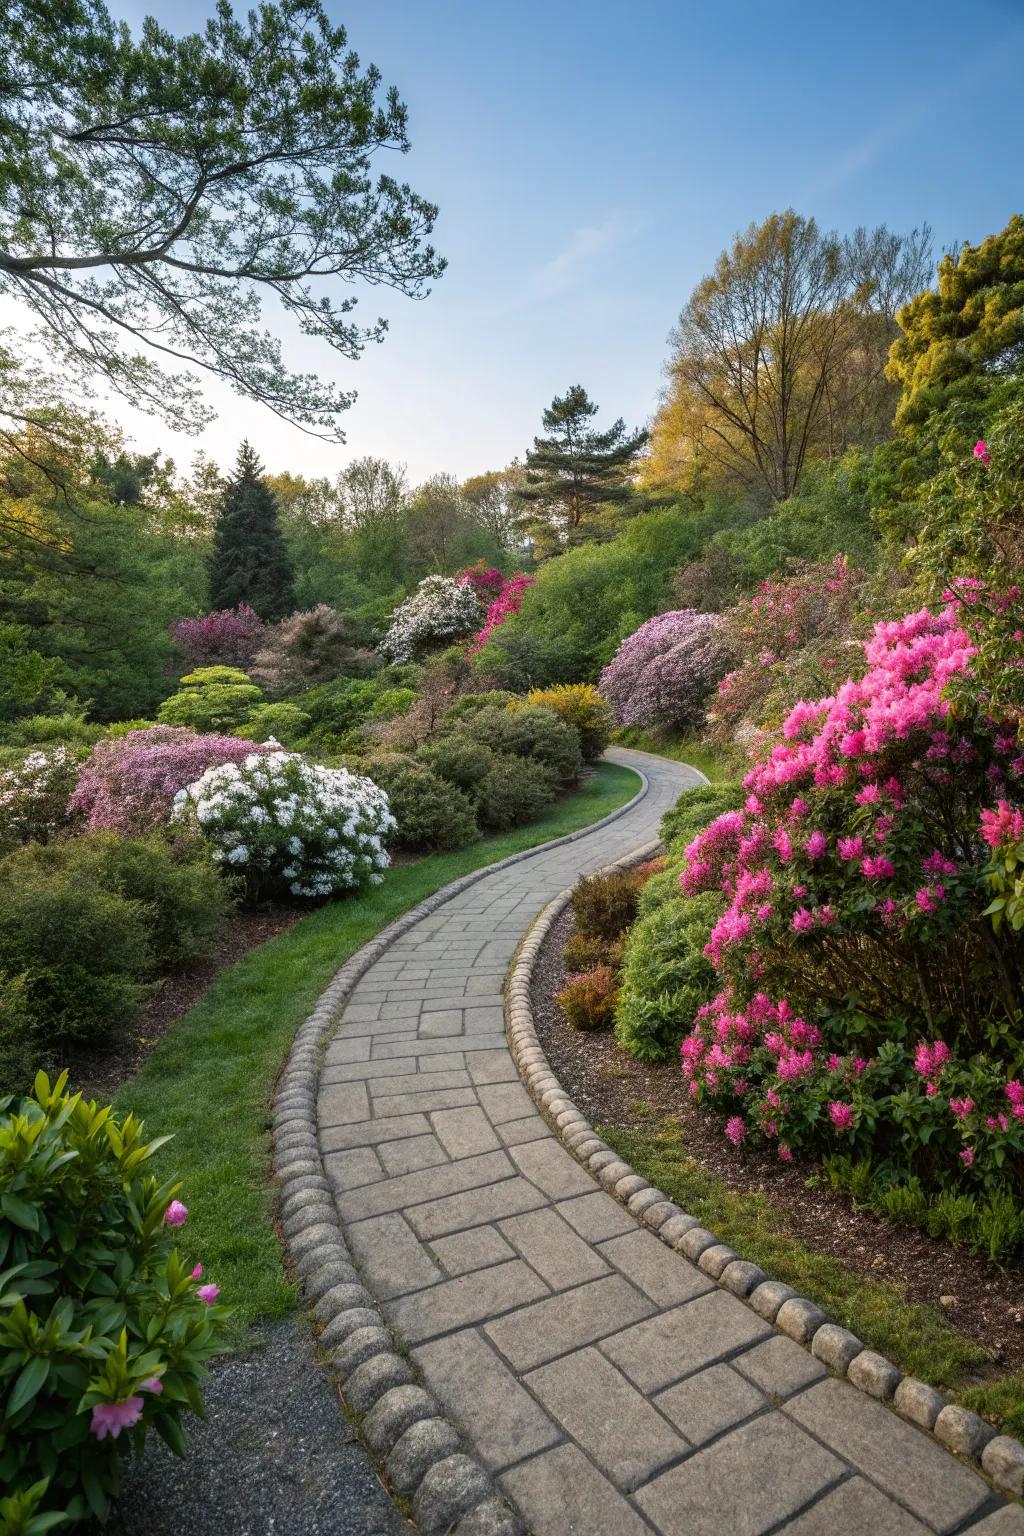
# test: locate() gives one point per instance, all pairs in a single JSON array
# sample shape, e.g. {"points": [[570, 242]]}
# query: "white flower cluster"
{"points": [[282, 821], [441, 608], [35, 792]]}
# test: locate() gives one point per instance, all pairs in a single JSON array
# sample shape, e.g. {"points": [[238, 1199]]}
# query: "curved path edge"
{"points": [[1001, 1457], [450, 1490]]}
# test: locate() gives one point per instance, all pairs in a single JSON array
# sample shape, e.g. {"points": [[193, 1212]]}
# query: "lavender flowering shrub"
{"points": [[129, 784], [662, 674]]}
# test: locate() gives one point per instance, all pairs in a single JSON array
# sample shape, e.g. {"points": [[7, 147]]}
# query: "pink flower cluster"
{"points": [[1002, 827], [487, 581], [129, 781], [663, 673], [508, 601]]}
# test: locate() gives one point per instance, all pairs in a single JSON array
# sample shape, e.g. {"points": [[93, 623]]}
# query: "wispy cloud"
{"points": [[564, 271]]}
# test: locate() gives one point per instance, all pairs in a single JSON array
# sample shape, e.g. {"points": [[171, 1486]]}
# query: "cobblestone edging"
{"points": [[1001, 1457], [422, 1457]]}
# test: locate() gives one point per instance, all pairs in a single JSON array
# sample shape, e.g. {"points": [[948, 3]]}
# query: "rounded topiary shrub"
{"points": [[588, 1000], [285, 724], [104, 1329], [459, 759], [430, 811], [511, 792], [537, 734], [211, 699], [286, 825], [665, 976], [579, 705]]}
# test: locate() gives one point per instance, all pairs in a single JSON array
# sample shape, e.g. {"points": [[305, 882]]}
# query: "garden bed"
{"points": [[968, 1323]]}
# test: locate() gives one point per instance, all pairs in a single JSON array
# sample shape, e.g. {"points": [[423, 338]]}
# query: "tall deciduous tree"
{"points": [[495, 505], [779, 356], [250, 560], [154, 190], [574, 469]]}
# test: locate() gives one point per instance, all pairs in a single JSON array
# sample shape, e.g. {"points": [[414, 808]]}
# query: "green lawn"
{"points": [[917, 1338], [210, 1081]]}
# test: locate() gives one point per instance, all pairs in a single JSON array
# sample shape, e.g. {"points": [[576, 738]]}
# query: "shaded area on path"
{"points": [[275, 1457]]}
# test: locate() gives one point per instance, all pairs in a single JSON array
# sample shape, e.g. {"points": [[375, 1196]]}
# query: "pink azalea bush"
{"points": [[867, 1000], [663, 673], [507, 601], [110, 1338], [129, 783], [796, 624], [229, 637], [486, 580]]}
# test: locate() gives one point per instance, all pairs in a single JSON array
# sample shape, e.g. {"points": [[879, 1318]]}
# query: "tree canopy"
{"points": [[575, 469], [155, 190], [779, 355], [250, 559]]}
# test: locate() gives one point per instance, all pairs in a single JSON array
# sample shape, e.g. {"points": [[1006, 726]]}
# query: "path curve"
{"points": [[605, 1383]]}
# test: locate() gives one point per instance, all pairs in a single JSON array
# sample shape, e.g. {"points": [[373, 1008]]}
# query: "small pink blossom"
{"points": [[967, 1157], [152, 1384], [961, 1107], [850, 847], [803, 921], [816, 845], [784, 1153], [841, 1115], [197, 1273], [208, 1293], [176, 1214], [735, 1129], [981, 453], [111, 1418], [877, 868]]}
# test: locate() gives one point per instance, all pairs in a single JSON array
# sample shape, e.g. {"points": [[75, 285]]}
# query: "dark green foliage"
{"points": [[430, 811], [458, 758], [250, 561], [537, 734], [511, 792], [588, 1000], [605, 905], [471, 703], [665, 975], [17, 1035], [286, 723]]}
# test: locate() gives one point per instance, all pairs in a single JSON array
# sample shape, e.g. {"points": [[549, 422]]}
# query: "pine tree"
{"points": [[575, 469], [250, 559]]}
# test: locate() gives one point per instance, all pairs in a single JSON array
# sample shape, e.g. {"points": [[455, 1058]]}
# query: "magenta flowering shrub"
{"points": [[793, 634], [129, 783], [228, 637], [663, 673], [507, 601], [486, 581], [867, 1000], [104, 1328]]}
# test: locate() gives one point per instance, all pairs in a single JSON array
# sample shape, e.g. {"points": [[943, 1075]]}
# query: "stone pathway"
{"points": [[610, 1387]]}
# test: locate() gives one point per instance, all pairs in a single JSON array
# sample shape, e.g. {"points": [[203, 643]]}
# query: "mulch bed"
{"points": [[100, 1072], [612, 1088]]}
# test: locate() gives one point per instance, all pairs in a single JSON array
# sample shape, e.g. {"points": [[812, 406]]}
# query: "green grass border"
{"points": [[209, 1082]]}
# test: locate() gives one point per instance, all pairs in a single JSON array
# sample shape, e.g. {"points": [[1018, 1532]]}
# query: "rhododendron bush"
{"points": [[507, 601], [662, 674], [34, 794], [442, 608], [868, 1002], [229, 637], [287, 825], [129, 783], [792, 633]]}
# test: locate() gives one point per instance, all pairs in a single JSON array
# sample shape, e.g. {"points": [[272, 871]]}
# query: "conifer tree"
{"points": [[250, 559], [575, 470]]}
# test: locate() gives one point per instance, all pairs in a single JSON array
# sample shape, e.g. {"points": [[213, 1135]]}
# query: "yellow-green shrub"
{"points": [[581, 705]]}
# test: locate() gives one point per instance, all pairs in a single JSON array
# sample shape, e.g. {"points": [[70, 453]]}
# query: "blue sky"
{"points": [[592, 157]]}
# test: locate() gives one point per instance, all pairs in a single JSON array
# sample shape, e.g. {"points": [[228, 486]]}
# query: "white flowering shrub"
{"points": [[34, 794], [289, 825], [442, 608]]}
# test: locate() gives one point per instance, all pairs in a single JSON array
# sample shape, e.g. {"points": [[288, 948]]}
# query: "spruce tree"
{"points": [[250, 559], [575, 470]]}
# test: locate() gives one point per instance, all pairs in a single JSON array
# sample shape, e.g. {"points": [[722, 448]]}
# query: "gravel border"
{"points": [[1000, 1457], [420, 1455]]}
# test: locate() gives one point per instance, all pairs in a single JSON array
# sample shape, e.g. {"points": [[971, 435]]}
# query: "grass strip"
{"points": [[209, 1082], [918, 1338]]}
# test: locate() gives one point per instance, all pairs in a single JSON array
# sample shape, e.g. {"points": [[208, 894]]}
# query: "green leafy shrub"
{"points": [[579, 705], [588, 1000], [581, 953], [470, 704], [17, 1037], [391, 702], [104, 1330], [459, 759], [430, 811], [513, 791], [537, 734], [696, 809], [125, 727], [211, 699], [282, 722], [34, 793], [665, 976], [71, 728]]}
